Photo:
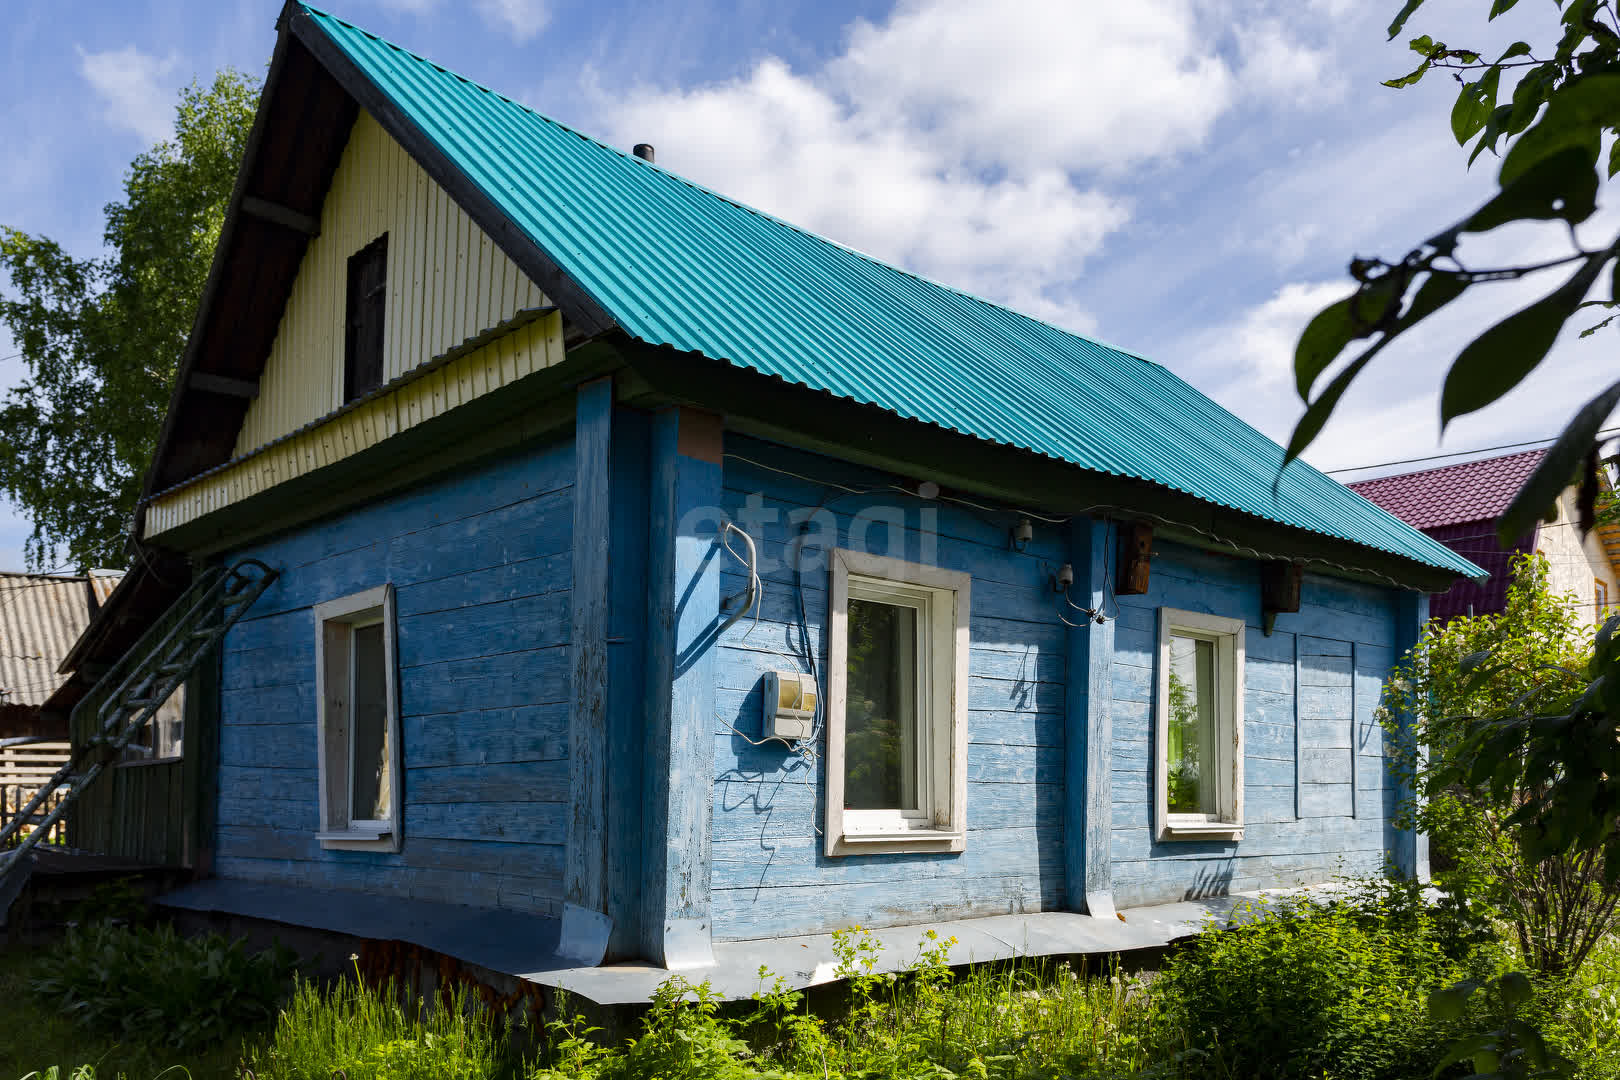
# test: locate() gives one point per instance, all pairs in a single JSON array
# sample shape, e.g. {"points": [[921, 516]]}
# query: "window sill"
{"points": [[1200, 830], [358, 840], [898, 841]]}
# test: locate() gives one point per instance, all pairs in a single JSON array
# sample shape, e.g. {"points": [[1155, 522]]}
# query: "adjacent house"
{"points": [[41, 615], [1458, 505], [652, 574]]}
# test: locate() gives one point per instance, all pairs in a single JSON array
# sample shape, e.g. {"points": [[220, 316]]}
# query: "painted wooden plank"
{"points": [[683, 614], [1325, 799], [488, 736], [531, 677], [1089, 743], [514, 580], [529, 781], [746, 913], [500, 626], [748, 807], [1411, 848], [792, 861], [627, 697], [483, 819], [586, 872]]}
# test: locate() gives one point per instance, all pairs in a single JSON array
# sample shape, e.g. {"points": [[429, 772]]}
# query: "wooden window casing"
{"points": [[336, 622], [1224, 819], [935, 750]]}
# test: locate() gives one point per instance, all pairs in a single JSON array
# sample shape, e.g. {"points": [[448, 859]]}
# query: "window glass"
{"points": [[880, 755], [372, 785], [364, 315], [1192, 750]]}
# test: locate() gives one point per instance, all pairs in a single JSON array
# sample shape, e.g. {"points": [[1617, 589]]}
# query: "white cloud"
{"points": [[523, 19], [968, 142], [1282, 70], [135, 88], [1077, 86]]}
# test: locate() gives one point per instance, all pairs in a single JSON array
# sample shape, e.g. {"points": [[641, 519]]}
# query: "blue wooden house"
{"points": [[659, 575]]}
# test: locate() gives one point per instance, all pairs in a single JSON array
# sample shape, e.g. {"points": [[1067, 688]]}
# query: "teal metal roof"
{"points": [[676, 264]]}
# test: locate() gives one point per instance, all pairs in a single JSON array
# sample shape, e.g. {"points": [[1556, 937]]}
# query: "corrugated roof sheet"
{"points": [[41, 616], [1452, 494], [676, 264]]}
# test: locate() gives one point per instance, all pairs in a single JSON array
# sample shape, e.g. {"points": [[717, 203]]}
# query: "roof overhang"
{"points": [[796, 415], [310, 99]]}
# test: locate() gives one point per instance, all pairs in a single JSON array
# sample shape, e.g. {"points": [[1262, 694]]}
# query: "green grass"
{"points": [[34, 1037]]}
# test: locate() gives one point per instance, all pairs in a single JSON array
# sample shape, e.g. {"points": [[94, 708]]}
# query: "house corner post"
{"points": [[683, 619], [586, 925], [1411, 846], [1089, 729]]}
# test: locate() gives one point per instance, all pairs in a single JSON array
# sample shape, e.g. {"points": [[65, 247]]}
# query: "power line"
{"points": [[1460, 453]]}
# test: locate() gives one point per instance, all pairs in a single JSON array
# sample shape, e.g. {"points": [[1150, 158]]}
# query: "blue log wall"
{"points": [[770, 876], [1317, 793], [481, 564]]}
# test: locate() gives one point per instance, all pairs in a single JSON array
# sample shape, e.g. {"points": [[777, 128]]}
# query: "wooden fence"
{"points": [[24, 766]]}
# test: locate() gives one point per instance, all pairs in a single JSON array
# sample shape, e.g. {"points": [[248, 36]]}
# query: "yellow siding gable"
{"points": [[500, 361], [447, 281]]}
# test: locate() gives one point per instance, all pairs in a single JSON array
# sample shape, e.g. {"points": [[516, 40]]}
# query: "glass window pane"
{"points": [[1192, 749], [880, 717], [373, 789]]}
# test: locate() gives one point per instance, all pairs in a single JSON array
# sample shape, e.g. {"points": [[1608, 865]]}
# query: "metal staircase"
{"points": [[164, 658]]}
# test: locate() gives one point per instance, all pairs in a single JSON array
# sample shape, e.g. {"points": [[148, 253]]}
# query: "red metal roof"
{"points": [[1452, 494]]}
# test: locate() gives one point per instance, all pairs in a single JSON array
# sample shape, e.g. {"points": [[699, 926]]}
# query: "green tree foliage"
{"points": [[1549, 128], [101, 336], [1562, 109], [1555, 898]]}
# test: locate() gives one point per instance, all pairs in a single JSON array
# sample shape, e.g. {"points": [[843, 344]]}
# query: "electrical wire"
{"points": [[1606, 432]]}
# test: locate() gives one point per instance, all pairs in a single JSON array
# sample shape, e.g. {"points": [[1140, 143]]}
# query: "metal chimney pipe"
{"points": [[643, 150]]}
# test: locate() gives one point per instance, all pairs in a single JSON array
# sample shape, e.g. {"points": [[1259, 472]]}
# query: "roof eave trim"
{"points": [[216, 270], [584, 317]]}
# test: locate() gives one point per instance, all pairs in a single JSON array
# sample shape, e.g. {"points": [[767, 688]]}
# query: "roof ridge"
{"points": [[722, 196], [1354, 484]]}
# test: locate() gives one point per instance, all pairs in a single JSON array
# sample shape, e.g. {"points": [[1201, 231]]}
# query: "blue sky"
{"points": [[1183, 178]]}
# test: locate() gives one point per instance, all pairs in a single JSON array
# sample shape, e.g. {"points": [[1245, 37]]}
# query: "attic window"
{"points": [[363, 338]]}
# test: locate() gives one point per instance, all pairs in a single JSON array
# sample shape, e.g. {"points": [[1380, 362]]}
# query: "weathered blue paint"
{"points": [[1412, 848], [683, 614], [1298, 755], [1089, 732], [585, 886], [683, 831], [627, 672], [771, 876], [481, 564], [1299, 779]]}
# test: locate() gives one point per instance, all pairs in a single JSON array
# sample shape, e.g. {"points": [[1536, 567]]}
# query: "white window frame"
{"points": [[943, 600], [1228, 638], [335, 620]]}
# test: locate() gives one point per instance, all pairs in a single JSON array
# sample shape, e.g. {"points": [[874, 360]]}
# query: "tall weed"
{"points": [[361, 1033]]}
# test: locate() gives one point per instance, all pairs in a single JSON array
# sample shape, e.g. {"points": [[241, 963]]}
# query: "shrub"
{"points": [[154, 987], [1310, 989], [362, 1033], [1464, 683]]}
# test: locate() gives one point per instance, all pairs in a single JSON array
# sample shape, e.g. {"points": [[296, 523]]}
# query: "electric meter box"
{"points": [[790, 705]]}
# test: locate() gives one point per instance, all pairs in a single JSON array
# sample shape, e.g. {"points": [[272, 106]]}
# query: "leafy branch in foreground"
{"points": [[1558, 115]]}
